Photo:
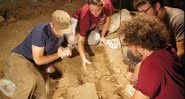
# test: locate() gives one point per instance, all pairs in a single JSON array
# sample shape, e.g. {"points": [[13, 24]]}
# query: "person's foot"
{"points": [[53, 73], [50, 69]]}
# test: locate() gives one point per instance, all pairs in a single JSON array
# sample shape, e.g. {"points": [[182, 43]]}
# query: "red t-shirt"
{"points": [[160, 77], [89, 22]]}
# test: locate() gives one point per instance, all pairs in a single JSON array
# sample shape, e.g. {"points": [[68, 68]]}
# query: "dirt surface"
{"points": [[106, 71], [13, 33]]}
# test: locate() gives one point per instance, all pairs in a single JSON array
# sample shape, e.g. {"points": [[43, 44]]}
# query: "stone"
{"points": [[115, 20], [85, 91]]}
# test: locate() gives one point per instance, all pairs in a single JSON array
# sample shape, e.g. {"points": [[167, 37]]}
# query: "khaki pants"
{"points": [[29, 82]]}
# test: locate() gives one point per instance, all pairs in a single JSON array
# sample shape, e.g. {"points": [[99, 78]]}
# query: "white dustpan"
{"points": [[7, 87]]}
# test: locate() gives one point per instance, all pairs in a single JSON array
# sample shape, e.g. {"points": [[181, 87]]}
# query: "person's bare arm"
{"points": [[39, 58], [139, 95], [134, 76], [180, 48], [105, 28], [81, 42], [177, 27], [136, 71]]}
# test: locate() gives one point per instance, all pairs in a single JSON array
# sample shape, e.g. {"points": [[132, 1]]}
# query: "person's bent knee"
{"points": [[94, 38], [25, 88]]}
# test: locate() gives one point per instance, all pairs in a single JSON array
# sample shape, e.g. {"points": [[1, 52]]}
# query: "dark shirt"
{"points": [[161, 77], [40, 36]]}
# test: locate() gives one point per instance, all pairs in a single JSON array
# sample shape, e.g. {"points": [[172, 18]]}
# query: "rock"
{"points": [[69, 80], [115, 20], [86, 91]]}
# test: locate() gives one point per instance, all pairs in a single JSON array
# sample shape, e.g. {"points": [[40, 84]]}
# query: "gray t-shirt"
{"points": [[174, 19]]}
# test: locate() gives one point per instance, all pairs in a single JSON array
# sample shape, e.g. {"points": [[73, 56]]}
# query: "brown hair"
{"points": [[145, 31]]}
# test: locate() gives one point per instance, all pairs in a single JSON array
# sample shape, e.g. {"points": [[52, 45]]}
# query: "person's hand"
{"points": [[64, 52], [129, 76], [103, 40], [84, 62]]}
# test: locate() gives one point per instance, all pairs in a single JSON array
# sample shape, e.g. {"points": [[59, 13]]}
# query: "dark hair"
{"points": [[96, 2], [145, 31], [137, 3], [122, 4]]}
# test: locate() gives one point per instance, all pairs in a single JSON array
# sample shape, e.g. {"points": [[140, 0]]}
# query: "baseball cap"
{"points": [[61, 21]]}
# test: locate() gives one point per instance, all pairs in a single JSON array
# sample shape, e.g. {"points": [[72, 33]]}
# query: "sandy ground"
{"points": [[106, 71], [13, 33]]}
